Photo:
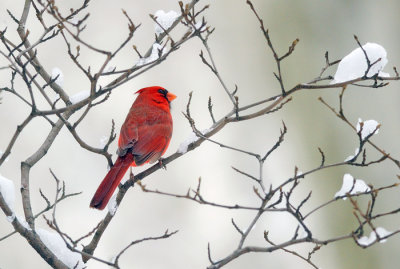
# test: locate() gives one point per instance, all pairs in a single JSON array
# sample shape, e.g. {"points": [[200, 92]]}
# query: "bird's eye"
{"points": [[163, 92]]}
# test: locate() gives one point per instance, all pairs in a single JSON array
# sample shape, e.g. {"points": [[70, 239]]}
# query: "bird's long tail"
{"points": [[111, 181]]}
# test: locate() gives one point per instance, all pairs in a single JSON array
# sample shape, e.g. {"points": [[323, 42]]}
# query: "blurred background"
{"points": [[243, 58]]}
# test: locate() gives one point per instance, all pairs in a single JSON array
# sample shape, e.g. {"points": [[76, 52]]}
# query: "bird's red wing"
{"points": [[152, 142], [127, 138]]}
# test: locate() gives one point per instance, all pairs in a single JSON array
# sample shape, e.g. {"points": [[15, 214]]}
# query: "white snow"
{"points": [[369, 127], [20, 219], [384, 74], [183, 147], [57, 72], [153, 56], [57, 245], [354, 65], [103, 141], [382, 232], [112, 205], [301, 233], [11, 218], [165, 20], [7, 190], [76, 98], [109, 68], [349, 183], [112, 259], [366, 241], [352, 156], [23, 222], [73, 20], [199, 26]]}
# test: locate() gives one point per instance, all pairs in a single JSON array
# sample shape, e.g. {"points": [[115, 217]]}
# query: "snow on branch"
{"points": [[58, 75], [57, 245], [76, 98], [156, 52], [351, 186], [371, 57], [112, 205], [7, 190], [192, 138], [375, 236], [367, 128], [164, 20]]}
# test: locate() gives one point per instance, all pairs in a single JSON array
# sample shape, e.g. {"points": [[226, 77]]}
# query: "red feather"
{"points": [[144, 137], [111, 181]]}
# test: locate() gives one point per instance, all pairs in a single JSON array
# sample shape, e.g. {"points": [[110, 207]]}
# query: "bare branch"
{"points": [[165, 235]]}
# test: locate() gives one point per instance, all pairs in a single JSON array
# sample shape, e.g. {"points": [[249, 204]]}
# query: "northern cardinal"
{"points": [[144, 138]]}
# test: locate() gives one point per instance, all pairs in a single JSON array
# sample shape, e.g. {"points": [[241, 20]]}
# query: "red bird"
{"points": [[144, 138]]}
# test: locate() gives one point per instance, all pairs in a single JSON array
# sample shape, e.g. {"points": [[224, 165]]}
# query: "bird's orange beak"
{"points": [[171, 96]]}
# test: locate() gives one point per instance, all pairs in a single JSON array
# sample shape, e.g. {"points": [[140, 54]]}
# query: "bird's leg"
{"points": [[161, 163]]}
